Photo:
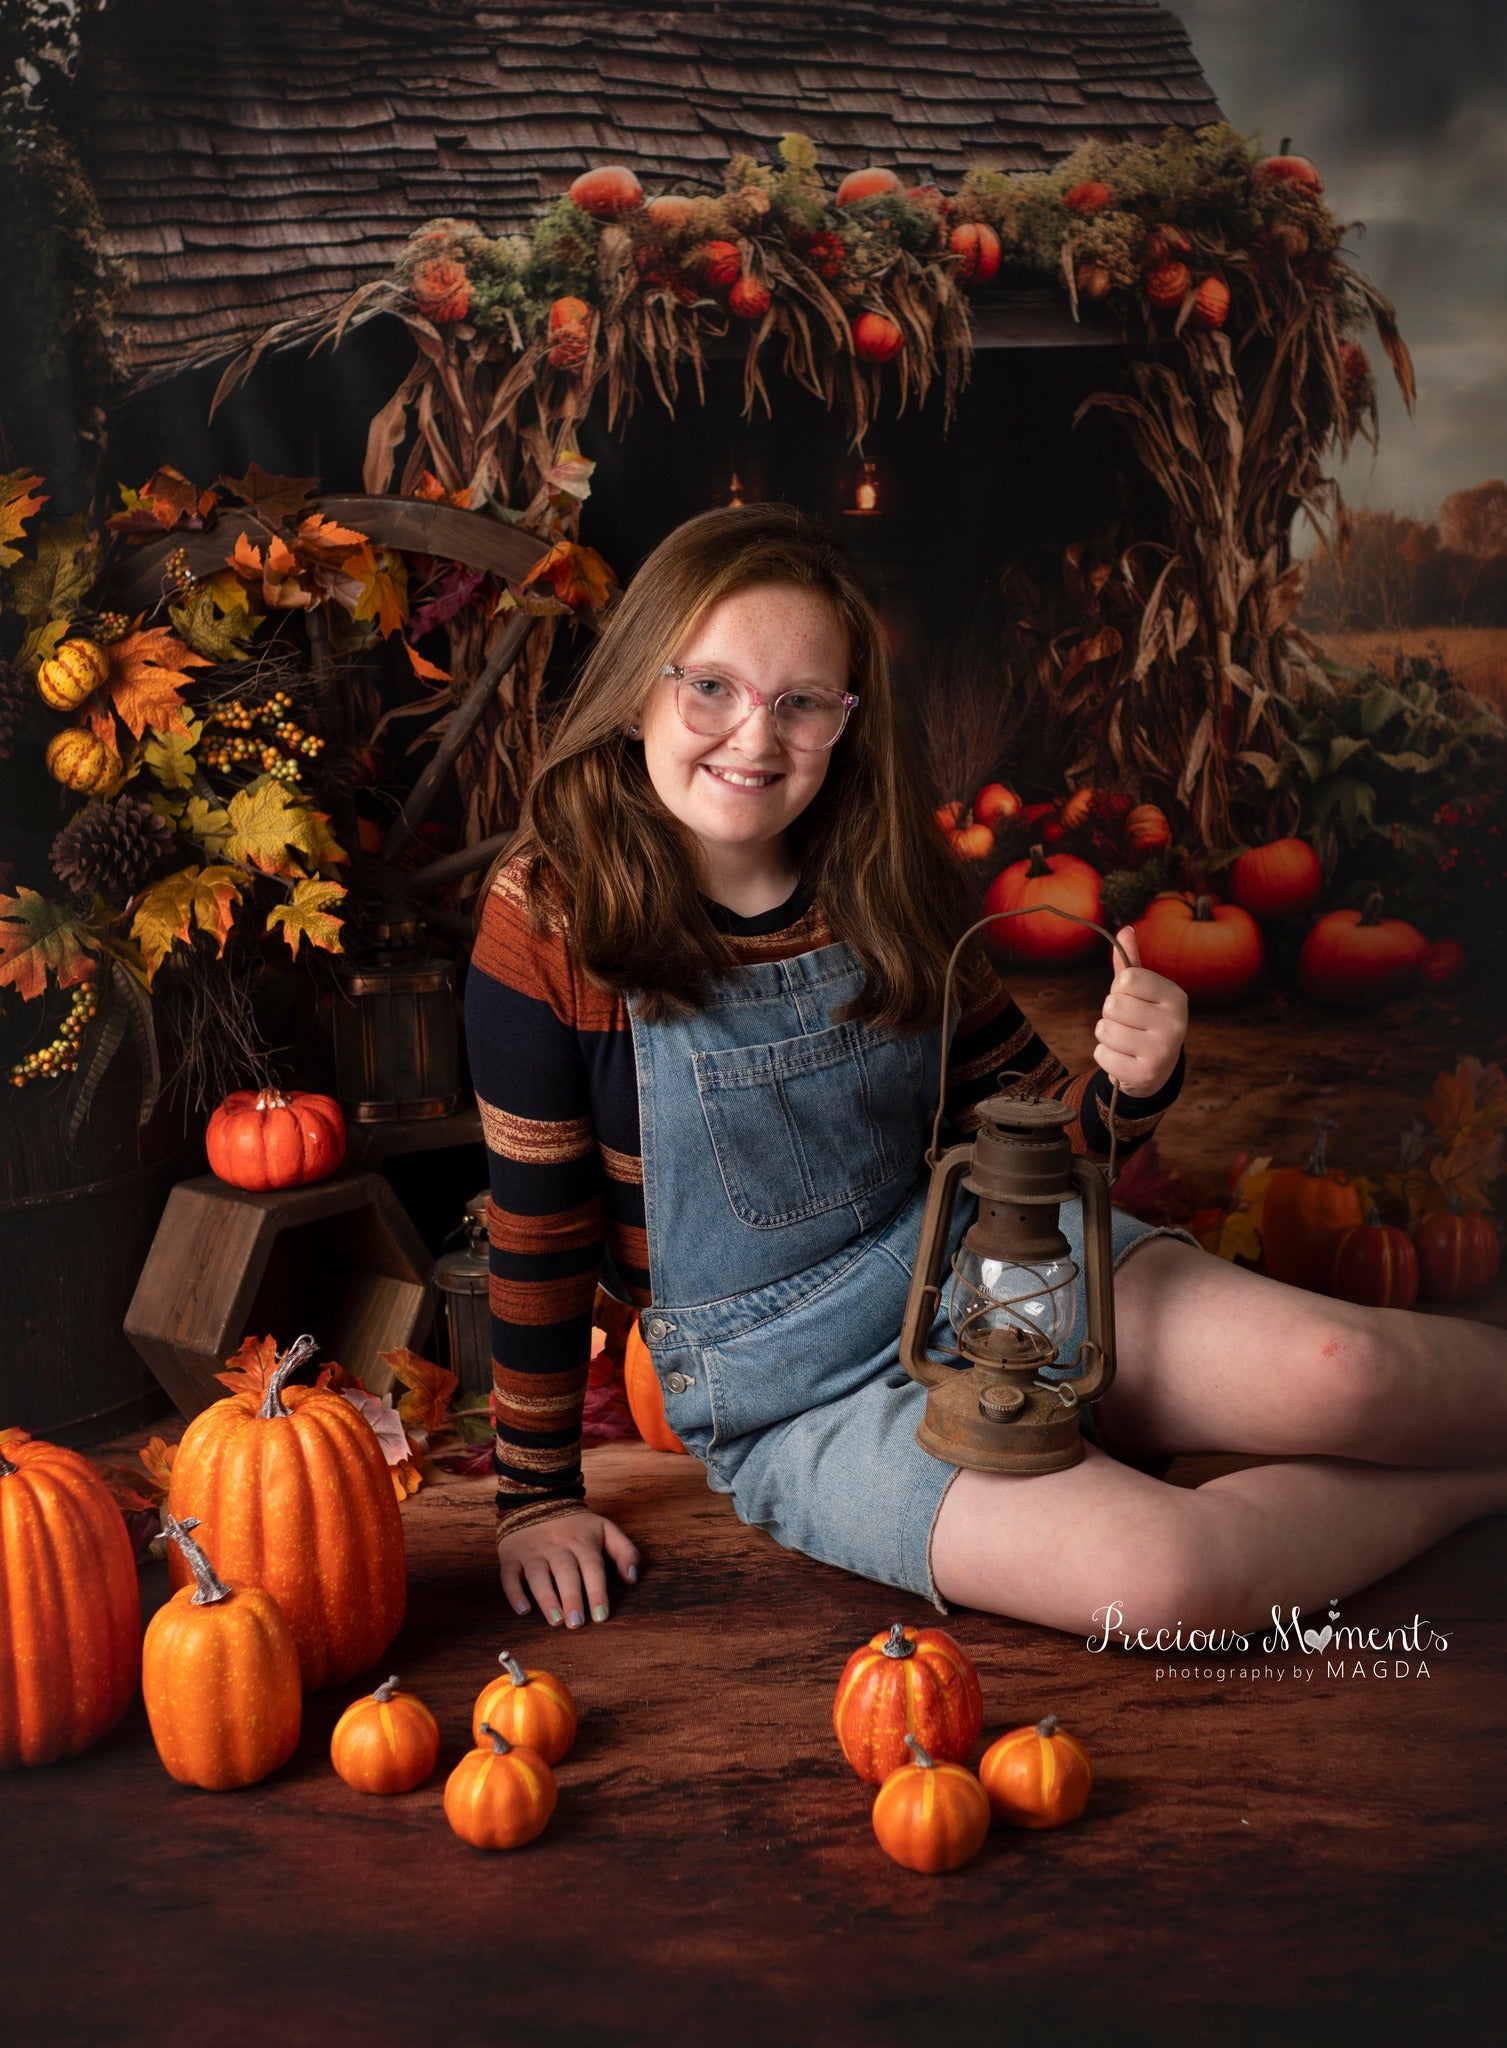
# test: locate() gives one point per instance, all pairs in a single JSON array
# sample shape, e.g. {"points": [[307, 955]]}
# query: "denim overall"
{"points": [[784, 1186]]}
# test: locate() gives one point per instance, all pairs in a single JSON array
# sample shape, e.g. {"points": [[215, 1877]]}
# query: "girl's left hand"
{"points": [[1142, 1027]]}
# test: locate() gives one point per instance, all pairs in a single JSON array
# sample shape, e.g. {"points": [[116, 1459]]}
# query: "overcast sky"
{"points": [[1402, 104]]}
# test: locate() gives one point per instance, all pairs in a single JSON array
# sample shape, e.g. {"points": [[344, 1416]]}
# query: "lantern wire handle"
{"points": [[1050, 909]]}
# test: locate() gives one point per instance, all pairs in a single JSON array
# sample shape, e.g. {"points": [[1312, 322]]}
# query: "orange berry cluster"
{"points": [[262, 735], [109, 627], [61, 1056]]}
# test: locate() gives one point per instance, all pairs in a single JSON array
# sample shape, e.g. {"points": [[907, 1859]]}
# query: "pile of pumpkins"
{"points": [[1215, 951]]}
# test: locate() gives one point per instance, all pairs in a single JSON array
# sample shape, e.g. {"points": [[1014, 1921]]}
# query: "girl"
{"points": [[704, 1019]]}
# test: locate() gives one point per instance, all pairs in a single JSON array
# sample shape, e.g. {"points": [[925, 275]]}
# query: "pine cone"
{"points": [[1124, 894], [110, 849], [15, 702]]}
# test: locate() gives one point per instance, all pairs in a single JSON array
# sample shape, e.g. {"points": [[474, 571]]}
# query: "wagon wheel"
{"points": [[448, 531]]}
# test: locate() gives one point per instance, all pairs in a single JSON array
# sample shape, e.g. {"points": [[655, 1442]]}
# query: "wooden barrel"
{"points": [[76, 1222]]}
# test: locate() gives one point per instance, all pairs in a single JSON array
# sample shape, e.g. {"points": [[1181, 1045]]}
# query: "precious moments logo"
{"points": [[1348, 1652]]}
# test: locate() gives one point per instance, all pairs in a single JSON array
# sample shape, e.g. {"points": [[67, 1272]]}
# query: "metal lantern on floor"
{"points": [[461, 1277], [397, 1044]]}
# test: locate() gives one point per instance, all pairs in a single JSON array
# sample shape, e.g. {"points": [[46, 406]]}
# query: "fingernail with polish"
{"points": [[599, 1614], [574, 1618], [554, 1615], [520, 1607], [631, 1573]]}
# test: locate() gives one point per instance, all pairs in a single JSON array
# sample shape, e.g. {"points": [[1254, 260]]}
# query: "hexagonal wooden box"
{"points": [[340, 1259]]}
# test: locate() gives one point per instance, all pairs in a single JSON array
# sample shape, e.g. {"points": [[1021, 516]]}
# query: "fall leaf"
{"points": [[53, 584], [206, 897], [406, 1478], [146, 673], [578, 574], [384, 589], [251, 1368], [170, 756], [427, 671], [211, 629], [319, 535], [207, 823], [427, 1401], [334, 1379], [40, 644], [570, 475], [274, 497], [38, 938], [130, 1491], [167, 499], [387, 1424], [18, 502], [433, 492], [268, 825], [306, 915]]}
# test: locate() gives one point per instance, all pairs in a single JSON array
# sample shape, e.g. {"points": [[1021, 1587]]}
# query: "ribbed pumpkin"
{"points": [[81, 762], [75, 672], [1213, 951], [220, 1677], [441, 290], [608, 193], [70, 1604], [1374, 1263], [1057, 879], [721, 263], [1036, 1777], [977, 248], [1280, 879], [876, 337], [1459, 1254], [1304, 1210], [1355, 958], [532, 1708], [930, 1816], [294, 1496], [265, 1139], [866, 184], [500, 1797], [906, 1680], [1167, 285], [1146, 830], [748, 299], [386, 1742], [646, 1401], [1211, 303]]}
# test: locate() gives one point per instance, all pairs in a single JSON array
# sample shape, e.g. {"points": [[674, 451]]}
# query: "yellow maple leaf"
{"points": [[204, 897], [427, 1402], [207, 823], [265, 823], [306, 915], [170, 755], [18, 502], [146, 674]]}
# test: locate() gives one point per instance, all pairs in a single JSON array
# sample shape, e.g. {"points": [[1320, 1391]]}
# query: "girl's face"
{"points": [[771, 637]]}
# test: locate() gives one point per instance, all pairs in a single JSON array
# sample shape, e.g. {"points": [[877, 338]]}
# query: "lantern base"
{"points": [[1042, 1437]]}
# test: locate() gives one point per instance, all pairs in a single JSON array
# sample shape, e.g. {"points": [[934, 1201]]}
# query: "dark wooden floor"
{"points": [[1311, 1858]]}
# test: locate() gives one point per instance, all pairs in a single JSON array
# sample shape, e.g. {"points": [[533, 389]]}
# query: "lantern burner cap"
{"points": [[1008, 1345], [1011, 1113]]}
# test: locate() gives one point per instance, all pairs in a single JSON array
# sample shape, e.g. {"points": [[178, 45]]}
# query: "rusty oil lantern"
{"points": [[1012, 1295]]}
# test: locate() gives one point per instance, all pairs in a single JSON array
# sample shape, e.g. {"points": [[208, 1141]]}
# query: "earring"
{"points": [[633, 728]]}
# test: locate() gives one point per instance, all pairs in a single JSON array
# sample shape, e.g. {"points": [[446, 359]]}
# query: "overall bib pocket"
{"points": [[806, 1125]]}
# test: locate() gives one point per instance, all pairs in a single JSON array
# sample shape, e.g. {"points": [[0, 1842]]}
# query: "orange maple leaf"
{"points": [[316, 534], [251, 1368], [427, 1401], [433, 492], [158, 1458], [275, 497], [382, 594], [333, 1377], [581, 578], [406, 1478], [282, 588], [146, 674]]}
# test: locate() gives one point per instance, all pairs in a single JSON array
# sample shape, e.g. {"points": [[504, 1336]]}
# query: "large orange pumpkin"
{"points": [[906, 1681], [1280, 879], [1304, 1211], [1036, 1777], [646, 1401], [532, 1708], [1354, 958], [1060, 880], [270, 1140], [1374, 1263], [294, 1496], [1459, 1255], [70, 1604], [1211, 950], [929, 1815], [220, 1677]]}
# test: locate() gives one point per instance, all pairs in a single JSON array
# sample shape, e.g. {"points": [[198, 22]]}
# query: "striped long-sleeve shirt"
{"points": [[552, 1063]]}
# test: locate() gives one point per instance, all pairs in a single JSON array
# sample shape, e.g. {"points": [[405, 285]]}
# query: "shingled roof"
{"points": [[254, 163]]}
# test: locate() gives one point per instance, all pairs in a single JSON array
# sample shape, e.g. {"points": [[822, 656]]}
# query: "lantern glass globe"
{"points": [[1037, 1299]]}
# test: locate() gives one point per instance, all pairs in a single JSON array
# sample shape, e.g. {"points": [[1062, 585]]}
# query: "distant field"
{"points": [[1476, 654]]}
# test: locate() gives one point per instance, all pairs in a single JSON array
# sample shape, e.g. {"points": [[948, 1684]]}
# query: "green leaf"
{"points": [[1416, 764], [1343, 748], [1311, 763], [1378, 706], [222, 636], [55, 583]]}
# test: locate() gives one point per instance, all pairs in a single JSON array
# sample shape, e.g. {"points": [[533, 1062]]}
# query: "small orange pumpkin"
{"points": [[1146, 831], [906, 1680], [1060, 880], [670, 212], [973, 842], [977, 248], [1355, 958], [608, 193], [220, 1677], [1304, 1210], [876, 337], [568, 312], [502, 1797], [1075, 810], [721, 263], [70, 1604], [930, 1816], [1167, 285], [996, 800], [442, 290], [1459, 1254], [532, 1708], [1213, 951], [1211, 303], [1036, 1777], [1374, 1263], [866, 185], [265, 1139], [1280, 879], [646, 1401], [949, 817], [387, 1741], [1089, 195], [748, 299]]}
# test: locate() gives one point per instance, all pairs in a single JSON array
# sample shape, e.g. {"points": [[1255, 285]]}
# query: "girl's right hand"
{"points": [[557, 1558]]}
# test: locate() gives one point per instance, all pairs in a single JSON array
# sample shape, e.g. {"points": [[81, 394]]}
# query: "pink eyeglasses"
{"points": [[711, 705]]}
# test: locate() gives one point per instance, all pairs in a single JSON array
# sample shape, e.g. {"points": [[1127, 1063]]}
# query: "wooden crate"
{"points": [[339, 1259]]}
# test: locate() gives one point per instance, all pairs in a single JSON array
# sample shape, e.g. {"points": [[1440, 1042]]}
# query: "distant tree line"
{"points": [[1394, 572]]}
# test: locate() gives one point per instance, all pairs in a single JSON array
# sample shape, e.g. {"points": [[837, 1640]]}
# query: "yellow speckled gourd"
{"points": [[73, 673], [80, 761]]}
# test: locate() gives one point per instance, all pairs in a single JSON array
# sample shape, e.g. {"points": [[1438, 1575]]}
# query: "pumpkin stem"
{"points": [[1371, 913], [271, 1098], [6, 1467], [272, 1404], [500, 1743], [919, 1753], [1047, 1728], [1316, 1166], [513, 1668], [898, 1643], [1038, 865], [209, 1587], [1373, 1221], [386, 1690], [1203, 911]]}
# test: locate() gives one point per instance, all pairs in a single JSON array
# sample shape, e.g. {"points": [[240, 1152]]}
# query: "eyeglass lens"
{"points": [[712, 704]]}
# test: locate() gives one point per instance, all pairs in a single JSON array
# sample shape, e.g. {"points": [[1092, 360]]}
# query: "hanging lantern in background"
{"points": [[865, 492], [397, 1045]]}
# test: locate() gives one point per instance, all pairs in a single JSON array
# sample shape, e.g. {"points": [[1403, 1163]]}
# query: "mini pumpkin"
{"points": [[220, 1677], [387, 1741], [995, 801], [1286, 169], [876, 337], [1211, 303], [748, 299], [442, 290], [265, 1139], [568, 312], [1167, 285], [1280, 879], [531, 1708], [500, 1797], [1146, 831], [1459, 1254], [1036, 1777], [977, 248], [973, 842], [866, 184], [930, 1816], [721, 263], [82, 762], [906, 1680], [1374, 1263], [1302, 1213], [1043, 883], [73, 673], [608, 193], [70, 1604], [1088, 196], [646, 1401]]}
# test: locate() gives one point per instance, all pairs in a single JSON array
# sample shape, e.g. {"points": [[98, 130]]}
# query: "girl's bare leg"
{"points": [[1212, 1357], [1064, 1548]]}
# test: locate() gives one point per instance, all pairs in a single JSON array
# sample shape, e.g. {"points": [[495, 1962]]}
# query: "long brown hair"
{"points": [[597, 835]]}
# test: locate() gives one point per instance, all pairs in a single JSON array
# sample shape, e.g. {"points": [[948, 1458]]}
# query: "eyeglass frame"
{"points": [[680, 670]]}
